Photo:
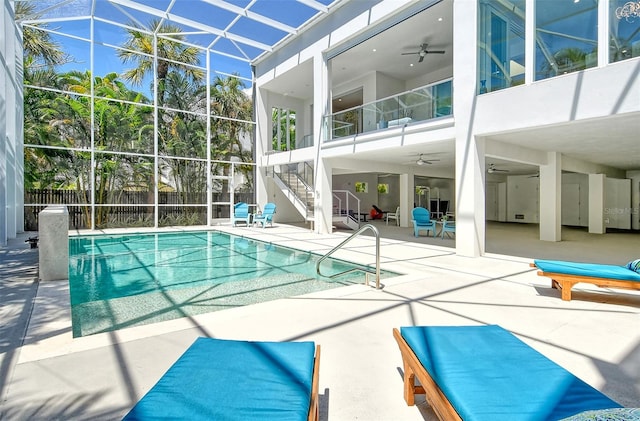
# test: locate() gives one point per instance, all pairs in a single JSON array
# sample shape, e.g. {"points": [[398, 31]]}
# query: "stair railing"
{"points": [[365, 270]]}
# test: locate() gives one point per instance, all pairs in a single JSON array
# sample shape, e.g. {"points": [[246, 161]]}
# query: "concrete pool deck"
{"points": [[48, 375]]}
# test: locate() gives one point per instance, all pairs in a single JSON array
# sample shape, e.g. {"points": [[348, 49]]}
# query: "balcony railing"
{"points": [[421, 104]]}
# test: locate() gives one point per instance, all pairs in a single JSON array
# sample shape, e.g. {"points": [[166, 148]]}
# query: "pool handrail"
{"points": [[367, 272]]}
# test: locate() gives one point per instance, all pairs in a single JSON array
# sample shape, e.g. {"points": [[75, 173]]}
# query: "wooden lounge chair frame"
{"points": [[314, 407], [564, 282], [413, 369]]}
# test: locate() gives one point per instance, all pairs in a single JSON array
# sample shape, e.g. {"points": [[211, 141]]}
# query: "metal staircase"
{"points": [[296, 182]]}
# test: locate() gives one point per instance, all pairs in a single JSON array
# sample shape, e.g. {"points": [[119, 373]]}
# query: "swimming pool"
{"points": [[119, 281]]}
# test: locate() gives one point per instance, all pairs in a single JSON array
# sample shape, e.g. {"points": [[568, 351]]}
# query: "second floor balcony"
{"points": [[418, 105]]}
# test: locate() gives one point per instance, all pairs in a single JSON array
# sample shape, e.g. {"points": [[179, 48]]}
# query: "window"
{"points": [[566, 37], [284, 129], [624, 21], [500, 44], [362, 187]]}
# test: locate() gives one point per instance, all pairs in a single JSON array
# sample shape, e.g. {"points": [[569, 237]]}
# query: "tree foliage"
{"points": [[82, 119]]}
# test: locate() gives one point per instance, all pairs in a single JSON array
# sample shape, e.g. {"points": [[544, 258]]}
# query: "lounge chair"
{"points": [[448, 226], [394, 215], [564, 275], [266, 216], [422, 221], [241, 214], [219, 379], [486, 373]]}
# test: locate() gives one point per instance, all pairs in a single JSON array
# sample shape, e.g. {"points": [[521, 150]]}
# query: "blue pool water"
{"points": [[119, 281]]}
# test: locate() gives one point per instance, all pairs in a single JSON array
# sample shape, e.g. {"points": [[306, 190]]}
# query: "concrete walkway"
{"points": [[50, 376]]}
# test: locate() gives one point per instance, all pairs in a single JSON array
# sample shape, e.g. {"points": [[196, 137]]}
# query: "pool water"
{"points": [[119, 281]]}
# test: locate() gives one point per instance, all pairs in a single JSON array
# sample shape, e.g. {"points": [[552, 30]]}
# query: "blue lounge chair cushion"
{"points": [[614, 414], [489, 374], [634, 265], [594, 270], [219, 379]]}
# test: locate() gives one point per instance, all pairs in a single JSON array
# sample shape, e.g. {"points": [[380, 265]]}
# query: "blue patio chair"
{"points": [[241, 214], [422, 221], [448, 226], [266, 216]]}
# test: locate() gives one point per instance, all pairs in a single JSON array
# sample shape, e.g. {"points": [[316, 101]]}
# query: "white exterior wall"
{"points": [[591, 94]]}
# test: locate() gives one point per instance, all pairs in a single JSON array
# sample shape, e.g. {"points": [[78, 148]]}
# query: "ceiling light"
{"points": [[439, 19], [374, 50], [411, 65]]}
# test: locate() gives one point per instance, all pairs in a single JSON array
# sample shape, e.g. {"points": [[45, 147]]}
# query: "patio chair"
{"points": [[219, 379], [564, 275], [486, 373], [241, 214], [395, 215], [422, 221], [447, 227], [266, 216]]}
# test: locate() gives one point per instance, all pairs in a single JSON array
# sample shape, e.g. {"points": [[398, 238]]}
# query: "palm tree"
{"points": [[565, 60], [172, 55], [235, 110], [283, 121], [38, 46]]}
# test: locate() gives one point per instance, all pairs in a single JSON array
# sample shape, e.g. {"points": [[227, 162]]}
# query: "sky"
{"points": [[196, 18]]}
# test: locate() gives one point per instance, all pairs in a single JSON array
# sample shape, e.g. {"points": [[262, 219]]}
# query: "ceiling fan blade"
{"points": [[421, 58], [409, 54], [435, 52], [492, 169]]}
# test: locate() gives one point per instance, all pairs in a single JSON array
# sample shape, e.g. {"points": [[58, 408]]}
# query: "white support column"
{"points": [[529, 41], [323, 211], [603, 33], [11, 133], [470, 219], [470, 191], [323, 170], [596, 203], [263, 127], [5, 16], [551, 198], [407, 188]]}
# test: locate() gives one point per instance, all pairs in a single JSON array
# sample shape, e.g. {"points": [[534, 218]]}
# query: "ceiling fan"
{"points": [[422, 161], [492, 169], [423, 52]]}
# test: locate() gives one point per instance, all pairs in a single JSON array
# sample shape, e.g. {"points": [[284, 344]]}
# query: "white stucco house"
{"points": [[521, 111], [506, 110]]}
